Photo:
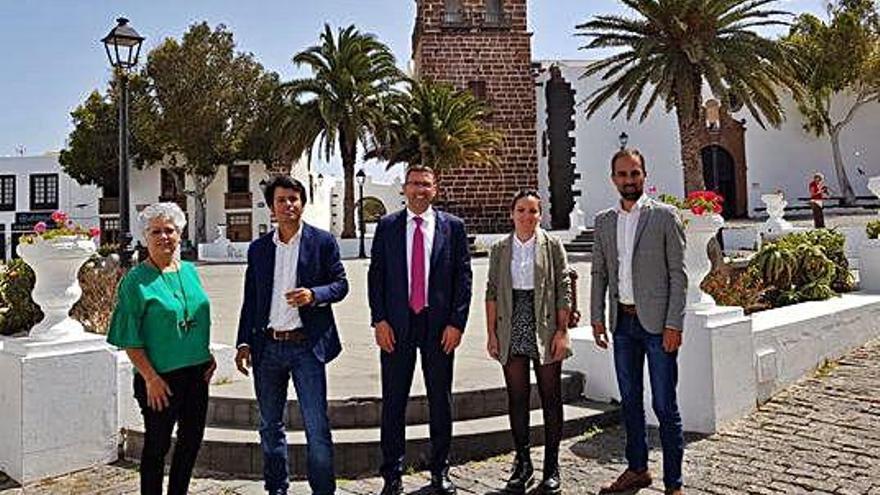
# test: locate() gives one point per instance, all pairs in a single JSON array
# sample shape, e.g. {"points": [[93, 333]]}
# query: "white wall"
{"points": [[390, 193], [775, 159], [78, 201]]}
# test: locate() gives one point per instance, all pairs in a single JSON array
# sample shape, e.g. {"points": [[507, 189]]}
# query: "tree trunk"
{"points": [[201, 185], [348, 149], [691, 160], [846, 190]]}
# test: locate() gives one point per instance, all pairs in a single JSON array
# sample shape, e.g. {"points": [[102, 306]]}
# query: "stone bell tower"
{"points": [[484, 46]]}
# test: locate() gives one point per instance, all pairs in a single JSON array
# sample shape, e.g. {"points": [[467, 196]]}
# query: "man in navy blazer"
{"points": [[420, 294], [287, 331]]}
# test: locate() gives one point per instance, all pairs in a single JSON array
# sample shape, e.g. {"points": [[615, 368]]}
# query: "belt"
{"points": [[629, 309], [295, 335]]}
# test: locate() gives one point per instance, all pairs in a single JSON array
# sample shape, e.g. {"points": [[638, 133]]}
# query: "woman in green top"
{"points": [[162, 319]]}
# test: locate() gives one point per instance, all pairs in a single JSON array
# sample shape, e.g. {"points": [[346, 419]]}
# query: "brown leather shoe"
{"points": [[674, 491], [628, 481]]}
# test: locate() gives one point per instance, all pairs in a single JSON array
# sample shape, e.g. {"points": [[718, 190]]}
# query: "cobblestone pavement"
{"points": [[820, 436]]}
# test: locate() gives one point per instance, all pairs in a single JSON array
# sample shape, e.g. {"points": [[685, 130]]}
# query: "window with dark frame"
{"points": [[44, 192], [453, 12], [494, 12], [238, 227], [7, 193], [238, 179]]}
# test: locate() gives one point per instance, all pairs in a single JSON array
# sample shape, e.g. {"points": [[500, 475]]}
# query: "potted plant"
{"points": [[701, 215], [56, 251]]}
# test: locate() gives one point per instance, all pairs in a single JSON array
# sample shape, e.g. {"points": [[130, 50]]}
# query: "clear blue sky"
{"points": [[51, 55]]}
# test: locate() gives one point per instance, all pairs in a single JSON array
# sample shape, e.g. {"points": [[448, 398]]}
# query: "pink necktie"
{"points": [[417, 269]]}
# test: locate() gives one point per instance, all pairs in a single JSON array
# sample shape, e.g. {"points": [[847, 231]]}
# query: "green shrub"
{"points": [[873, 229], [18, 312], [807, 266]]}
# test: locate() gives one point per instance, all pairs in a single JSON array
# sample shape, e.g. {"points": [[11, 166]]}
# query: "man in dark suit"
{"points": [[420, 293], [287, 330]]}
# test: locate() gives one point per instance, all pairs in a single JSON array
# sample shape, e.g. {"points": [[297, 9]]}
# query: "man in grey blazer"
{"points": [[638, 267]]}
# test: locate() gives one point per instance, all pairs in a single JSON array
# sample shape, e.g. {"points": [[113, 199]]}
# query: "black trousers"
{"points": [[397, 375], [516, 376], [818, 215], [188, 409]]}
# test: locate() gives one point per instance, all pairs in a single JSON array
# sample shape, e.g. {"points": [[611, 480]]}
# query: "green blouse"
{"points": [[167, 314]]}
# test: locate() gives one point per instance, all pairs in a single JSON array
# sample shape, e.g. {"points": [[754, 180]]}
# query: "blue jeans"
{"points": [[632, 343], [277, 363]]}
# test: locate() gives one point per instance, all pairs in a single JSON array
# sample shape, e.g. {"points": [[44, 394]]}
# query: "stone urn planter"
{"points": [[698, 230], [776, 224], [56, 263]]}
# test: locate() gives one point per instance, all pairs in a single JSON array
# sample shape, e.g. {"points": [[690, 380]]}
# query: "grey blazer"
{"points": [[552, 290], [659, 279]]}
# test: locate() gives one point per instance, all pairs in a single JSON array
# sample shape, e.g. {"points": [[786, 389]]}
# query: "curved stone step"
{"points": [[231, 409], [237, 452]]}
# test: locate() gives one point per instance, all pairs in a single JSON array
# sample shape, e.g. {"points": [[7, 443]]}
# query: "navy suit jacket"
{"points": [[449, 278], [319, 268]]}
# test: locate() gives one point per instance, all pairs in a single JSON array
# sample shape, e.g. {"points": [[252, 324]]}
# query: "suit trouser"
{"points": [[188, 407], [278, 363], [632, 345], [397, 375]]}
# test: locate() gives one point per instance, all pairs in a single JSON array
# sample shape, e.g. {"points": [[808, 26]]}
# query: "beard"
{"points": [[631, 194]]}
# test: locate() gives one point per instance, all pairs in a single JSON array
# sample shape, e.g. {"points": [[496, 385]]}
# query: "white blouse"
{"points": [[522, 264]]}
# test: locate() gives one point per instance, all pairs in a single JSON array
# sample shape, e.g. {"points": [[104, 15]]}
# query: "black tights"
{"points": [[516, 374]]}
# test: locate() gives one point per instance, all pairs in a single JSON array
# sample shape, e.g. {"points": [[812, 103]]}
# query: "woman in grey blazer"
{"points": [[528, 300]]}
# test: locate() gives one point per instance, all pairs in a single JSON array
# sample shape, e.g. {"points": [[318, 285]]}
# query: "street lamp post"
{"points": [[361, 177], [123, 46], [622, 139]]}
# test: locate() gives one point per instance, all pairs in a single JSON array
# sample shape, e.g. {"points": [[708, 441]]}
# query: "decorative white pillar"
{"points": [[698, 230], [776, 225], [58, 396], [869, 253]]}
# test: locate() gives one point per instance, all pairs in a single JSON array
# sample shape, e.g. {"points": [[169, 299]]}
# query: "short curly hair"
{"points": [[170, 211]]}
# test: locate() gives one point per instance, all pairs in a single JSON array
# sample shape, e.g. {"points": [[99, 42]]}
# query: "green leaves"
{"points": [[435, 125], [341, 105]]}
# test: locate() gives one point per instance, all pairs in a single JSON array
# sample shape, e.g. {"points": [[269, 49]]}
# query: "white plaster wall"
{"points": [[793, 340], [776, 159], [390, 193], [728, 363]]}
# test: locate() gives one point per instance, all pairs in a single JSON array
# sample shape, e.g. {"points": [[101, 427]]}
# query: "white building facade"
{"points": [[31, 188], [767, 159]]}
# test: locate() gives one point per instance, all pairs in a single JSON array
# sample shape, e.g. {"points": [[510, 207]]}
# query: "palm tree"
{"points": [[435, 125], [673, 47], [342, 104]]}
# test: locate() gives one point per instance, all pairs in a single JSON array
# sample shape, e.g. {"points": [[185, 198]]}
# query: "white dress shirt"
{"points": [[627, 222], [522, 263], [283, 316], [429, 223]]}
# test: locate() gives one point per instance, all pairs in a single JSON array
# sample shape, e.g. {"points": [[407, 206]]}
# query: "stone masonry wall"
{"points": [[488, 54]]}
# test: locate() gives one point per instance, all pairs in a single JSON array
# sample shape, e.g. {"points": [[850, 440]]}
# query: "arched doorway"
{"points": [[719, 174]]}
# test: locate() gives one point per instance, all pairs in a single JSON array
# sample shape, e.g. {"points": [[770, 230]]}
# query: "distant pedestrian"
{"points": [[818, 193]]}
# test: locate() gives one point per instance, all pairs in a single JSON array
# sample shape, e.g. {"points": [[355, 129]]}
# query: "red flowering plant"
{"points": [[704, 202], [60, 225]]}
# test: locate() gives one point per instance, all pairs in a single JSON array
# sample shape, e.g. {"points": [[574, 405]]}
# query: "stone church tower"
{"points": [[484, 46]]}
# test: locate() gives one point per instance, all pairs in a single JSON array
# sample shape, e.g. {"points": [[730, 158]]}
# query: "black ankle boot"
{"points": [[551, 484], [523, 472]]}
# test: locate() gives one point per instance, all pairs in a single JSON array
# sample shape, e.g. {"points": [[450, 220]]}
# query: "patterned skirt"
{"points": [[523, 337]]}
